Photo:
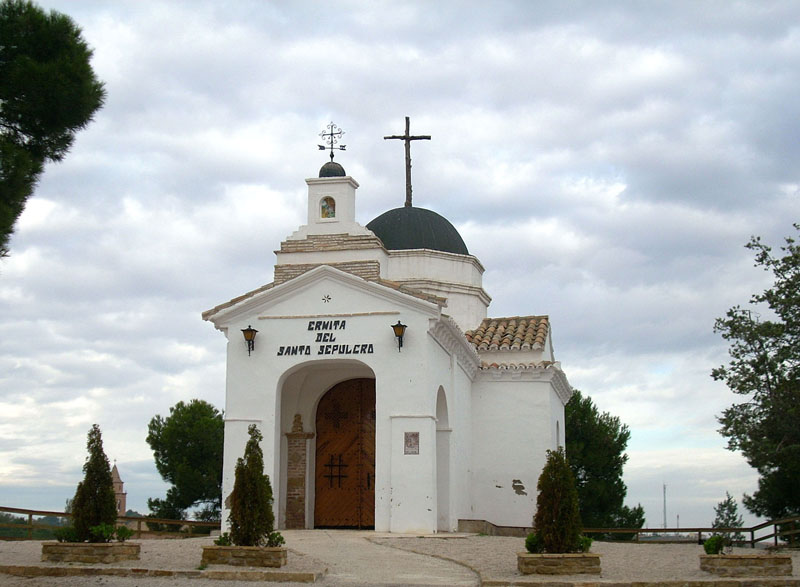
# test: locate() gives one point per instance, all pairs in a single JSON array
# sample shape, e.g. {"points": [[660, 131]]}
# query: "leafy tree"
{"points": [[596, 443], [48, 91], [557, 521], [187, 446], [727, 516], [765, 368], [94, 502], [251, 518]]}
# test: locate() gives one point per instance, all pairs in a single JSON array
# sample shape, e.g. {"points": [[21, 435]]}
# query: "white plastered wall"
{"points": [[459, 278], [269, 387], [511, 431]]}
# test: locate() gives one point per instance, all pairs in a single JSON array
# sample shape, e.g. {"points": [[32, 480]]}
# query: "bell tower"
{"points": [[119, 493]]}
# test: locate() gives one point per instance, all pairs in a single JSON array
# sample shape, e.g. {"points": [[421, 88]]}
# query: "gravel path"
{"points": [[176, 555], [368, 558], [495, 557]]}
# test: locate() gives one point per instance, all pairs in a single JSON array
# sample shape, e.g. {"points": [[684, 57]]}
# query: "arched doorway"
{"points": [[345, 456]]}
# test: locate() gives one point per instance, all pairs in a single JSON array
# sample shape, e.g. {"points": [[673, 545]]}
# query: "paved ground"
{"points": [[352, 559], [343, 557], [369, 558]]}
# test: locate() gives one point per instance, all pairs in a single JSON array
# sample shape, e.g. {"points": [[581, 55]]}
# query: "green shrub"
{"points": [[533, 543], [251, 518], [94, 502], [585, 544], [275, 539], [66, 534], [102, 533], [123, 533], [557, 521], [714, 545], [224, 540]]}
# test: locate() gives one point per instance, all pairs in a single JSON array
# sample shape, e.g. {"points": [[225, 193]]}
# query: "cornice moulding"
{"points": [[450, 337]]}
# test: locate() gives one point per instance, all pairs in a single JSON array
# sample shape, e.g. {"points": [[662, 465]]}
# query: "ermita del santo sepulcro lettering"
{"points": [[325, 331]]}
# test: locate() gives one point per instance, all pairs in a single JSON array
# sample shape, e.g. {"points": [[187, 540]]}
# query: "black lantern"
{"points": [[399, 331], [250, 338]]}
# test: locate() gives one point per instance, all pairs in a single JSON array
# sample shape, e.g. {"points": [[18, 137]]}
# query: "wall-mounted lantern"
{"points": [[399, 331], [250, 338]]}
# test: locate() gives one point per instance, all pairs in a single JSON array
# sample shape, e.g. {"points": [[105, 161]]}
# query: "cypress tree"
{"points": [[557, 521], [95, 501], [251, 518]]}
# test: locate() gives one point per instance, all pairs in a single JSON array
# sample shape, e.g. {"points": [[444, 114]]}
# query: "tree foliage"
{"points": [[557, 522], [187, 446], [765, 367], [48, 92], [251, 518], [727, 516], [95, 501], [595, 445]]}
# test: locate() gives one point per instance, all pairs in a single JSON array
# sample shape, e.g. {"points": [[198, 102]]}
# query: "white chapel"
{"points": [[367, 424]]}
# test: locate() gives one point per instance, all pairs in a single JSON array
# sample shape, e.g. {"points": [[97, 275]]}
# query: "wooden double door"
{"points": [[345, 456]]}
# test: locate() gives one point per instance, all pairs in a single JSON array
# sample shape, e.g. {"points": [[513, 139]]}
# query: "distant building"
{"points": [[119, 492]]}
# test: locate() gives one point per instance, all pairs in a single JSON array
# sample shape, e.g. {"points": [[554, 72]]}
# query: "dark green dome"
{"points": [[417, 228], [331, 169]]}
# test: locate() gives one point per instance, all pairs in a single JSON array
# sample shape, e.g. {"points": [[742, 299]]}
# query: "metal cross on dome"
{"points": [[407, 138], [332, 137]]}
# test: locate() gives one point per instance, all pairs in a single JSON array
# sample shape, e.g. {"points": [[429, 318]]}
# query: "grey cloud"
{"points": [[606, 164]]}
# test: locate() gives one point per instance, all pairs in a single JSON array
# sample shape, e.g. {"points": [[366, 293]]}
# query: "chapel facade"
{"points": [[365, 429]]}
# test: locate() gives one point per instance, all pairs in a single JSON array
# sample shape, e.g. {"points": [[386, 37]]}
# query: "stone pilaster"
{"points": [[297, 460]]}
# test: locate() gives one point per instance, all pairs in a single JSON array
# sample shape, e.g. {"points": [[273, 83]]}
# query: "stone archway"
{"points": [[345, 456]]}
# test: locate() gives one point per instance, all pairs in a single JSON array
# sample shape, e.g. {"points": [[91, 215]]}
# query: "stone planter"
{"points": [[244, 556], [747, 565], [90, 552], [582, 563]]}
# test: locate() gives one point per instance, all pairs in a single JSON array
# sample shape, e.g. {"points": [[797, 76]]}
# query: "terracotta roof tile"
{"points": [[517, 333]]}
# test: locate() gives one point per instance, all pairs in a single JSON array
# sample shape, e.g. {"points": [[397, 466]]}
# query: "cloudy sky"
{"points": [[606, 163]]}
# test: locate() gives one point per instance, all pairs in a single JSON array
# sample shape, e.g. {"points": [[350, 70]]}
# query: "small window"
{"points": [[328, 208]]}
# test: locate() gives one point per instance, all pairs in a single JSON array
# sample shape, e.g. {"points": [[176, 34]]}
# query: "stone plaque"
{"points": [[411, 445]]}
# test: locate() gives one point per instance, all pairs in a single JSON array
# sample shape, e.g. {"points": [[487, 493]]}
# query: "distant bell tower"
{"points": [[119, 492]]}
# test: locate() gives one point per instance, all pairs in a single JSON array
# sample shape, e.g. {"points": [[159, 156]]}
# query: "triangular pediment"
{"points": [[321, 291]]}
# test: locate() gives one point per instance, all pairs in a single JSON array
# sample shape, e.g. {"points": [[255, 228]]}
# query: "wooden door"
{"points": [[345, 457]]}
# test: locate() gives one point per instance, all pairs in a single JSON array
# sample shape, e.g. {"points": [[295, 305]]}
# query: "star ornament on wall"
{"points": [[326, 298]]}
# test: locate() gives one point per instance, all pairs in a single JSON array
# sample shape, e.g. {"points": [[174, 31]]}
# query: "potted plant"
{"points": [[94, 515], [556, 546], [715, 561], [252, 540]]}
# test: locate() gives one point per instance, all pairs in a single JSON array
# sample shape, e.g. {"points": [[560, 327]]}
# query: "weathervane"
{"points": [[407, 138], [332, 138]]}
